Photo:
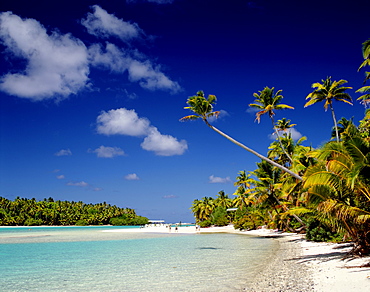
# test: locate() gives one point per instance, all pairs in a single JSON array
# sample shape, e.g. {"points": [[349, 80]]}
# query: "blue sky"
{"points": [[91, 93]]}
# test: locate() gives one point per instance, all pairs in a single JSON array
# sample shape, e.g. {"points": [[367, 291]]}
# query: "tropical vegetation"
{"points": [[323, 192], [30, 212]]}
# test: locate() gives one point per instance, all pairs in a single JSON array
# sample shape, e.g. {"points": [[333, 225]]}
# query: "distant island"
{"points": [[30, 212]]}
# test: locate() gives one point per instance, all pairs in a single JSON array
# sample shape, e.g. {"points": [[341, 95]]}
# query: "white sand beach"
{"points": [[299, 265]]}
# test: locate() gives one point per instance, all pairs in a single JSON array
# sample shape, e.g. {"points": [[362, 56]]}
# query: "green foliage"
{"points": [[205, 223], [32, 222], [82, 222], [29, 212], [219, 217], [317, 231], [128, 220]]}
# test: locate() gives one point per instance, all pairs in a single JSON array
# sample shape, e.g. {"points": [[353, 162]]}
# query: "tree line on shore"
{"points": [[30, 212], [324, 192]]}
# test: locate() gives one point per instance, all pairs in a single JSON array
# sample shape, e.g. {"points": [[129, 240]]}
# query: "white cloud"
{"points": [[163, 145], [60, 176], [126, 122], [132, 176], [292, 131], [170, 197], [57, 64], [78, 184], [148, 75], [63, 152], [108, 152], [221, 115], [103, 25], [219, 180], [110, 58], [123, 122]]}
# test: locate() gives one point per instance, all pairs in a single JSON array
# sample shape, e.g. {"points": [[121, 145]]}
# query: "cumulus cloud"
{"points": [[131, 176], [63, 152], [139, 69], [126, 122], [122, 122], [57, 64], [163, 145], [295, 134], [78, 184], [102, 24], [107, 152], [219, 180]]}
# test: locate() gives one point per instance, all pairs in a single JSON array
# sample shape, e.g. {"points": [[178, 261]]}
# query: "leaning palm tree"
{"points": [[203, 109], [267, 102], [328, 91]]}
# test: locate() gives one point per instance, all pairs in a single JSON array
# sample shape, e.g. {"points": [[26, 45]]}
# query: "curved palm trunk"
{"points": [[283, 168], [335, 122], [279, 139]]}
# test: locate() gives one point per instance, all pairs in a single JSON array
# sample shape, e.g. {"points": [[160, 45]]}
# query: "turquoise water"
{"points": [[87, 259]]}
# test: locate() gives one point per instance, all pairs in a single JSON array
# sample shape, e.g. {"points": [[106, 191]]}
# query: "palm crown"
{"points": [[328, 91], [202, 107], [268, 101]]}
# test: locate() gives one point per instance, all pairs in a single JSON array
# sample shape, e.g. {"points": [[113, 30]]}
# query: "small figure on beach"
{"points": [[169, 228], [176, 229]]}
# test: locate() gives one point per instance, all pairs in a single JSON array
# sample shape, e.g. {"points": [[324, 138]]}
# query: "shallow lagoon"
{"points": [[87, 259]]}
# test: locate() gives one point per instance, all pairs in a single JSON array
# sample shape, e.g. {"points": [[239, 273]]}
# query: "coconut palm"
{"points": [[223, 200], [365, 99], [338, 188], [366, 55], [284, 125], [243, 192], [203, 109], [267, 101], [328, 91]]}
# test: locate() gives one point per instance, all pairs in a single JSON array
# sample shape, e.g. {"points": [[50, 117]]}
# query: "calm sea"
{"points": [[87, 259]]}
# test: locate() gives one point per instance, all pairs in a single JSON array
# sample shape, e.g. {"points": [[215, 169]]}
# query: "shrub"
{"points": [[205, 223], [81, 222]]}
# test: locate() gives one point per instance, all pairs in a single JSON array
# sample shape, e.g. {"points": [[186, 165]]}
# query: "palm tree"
{"points": [[366, 55], [268, 101], [338, 187], [284, 125], [223, 200], [329, 91], [365, 99], [203, 109]]}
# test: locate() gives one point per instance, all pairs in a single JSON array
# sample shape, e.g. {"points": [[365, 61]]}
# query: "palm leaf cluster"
{"points": [[296, 187]]}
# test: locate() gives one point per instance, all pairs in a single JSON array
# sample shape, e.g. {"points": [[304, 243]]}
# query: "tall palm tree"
{"points": [[203, 109], [268, 101], [328, 91]]}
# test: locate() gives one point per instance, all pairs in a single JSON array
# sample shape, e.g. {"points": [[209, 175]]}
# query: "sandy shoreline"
{"points": [[298, 265]]}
